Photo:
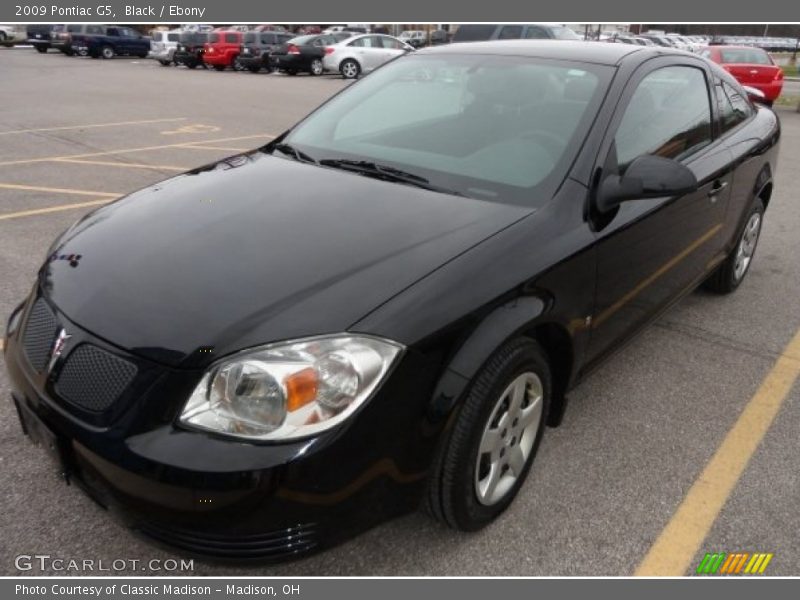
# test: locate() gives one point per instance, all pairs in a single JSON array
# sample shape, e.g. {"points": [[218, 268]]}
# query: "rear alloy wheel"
{"points": [[107, 52], [732, 271], [316, 67], [349, 69], [490, 447]]}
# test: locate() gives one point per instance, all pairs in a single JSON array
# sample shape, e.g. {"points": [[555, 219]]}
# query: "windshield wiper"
{"points": [[385, 172], [290, 150]]}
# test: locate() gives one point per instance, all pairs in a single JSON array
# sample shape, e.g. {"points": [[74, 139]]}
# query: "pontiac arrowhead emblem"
{"points": [[58, 348]]}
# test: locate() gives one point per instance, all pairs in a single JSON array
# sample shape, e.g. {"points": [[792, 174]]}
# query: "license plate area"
{"points": [[41, 435]]}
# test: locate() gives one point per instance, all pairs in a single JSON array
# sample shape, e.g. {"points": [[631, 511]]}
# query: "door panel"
{"points": [[651, 250]]}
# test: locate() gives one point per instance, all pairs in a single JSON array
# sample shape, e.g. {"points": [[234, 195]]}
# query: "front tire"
{"points": [[486, 455], [350, 69], [316, 67], [107, 52], [730, 274]]}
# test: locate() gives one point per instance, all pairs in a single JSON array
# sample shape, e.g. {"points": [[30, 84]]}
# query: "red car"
{"points": [[222, 49], [750, 66]]}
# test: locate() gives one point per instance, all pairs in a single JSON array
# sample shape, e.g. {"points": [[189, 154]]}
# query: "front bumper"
{"points": [[212, 496]]}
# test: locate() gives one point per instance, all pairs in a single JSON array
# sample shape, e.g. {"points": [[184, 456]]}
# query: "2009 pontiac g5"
{"points": [[252, 368]]}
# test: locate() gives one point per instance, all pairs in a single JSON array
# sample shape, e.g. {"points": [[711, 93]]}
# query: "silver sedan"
{"points": [[362, 53]]}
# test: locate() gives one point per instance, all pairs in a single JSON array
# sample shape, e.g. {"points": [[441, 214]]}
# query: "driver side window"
{"points": [[669, 115]]}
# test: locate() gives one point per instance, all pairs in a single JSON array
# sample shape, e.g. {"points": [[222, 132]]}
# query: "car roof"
{"points": [[589, 52]]}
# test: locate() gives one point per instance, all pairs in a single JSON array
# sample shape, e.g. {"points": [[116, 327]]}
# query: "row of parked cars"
{"points": [[263, 48], [352, 51]]}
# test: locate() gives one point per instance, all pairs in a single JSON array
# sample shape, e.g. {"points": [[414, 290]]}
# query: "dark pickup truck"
{"points": [[112, 41]]}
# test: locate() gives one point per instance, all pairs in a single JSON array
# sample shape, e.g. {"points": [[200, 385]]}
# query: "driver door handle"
{"points": [[716, 189]]}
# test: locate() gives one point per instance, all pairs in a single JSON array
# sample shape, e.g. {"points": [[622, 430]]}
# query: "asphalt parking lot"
{"points": [[652, 444]]}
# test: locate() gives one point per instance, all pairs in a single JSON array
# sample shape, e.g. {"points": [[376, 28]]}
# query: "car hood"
{"points": [[254, 249]]}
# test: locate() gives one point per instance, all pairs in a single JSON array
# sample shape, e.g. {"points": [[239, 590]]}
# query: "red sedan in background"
{"points": [[750, 66]]}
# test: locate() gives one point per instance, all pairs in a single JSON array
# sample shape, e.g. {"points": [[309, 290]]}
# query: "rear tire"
{"points": [[350, 69], [291, 72], [219, 67], [485, 456], [164, 63], [730, 274], [316, 67]]}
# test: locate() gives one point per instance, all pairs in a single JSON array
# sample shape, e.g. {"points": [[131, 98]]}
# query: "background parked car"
{"points": [[439, 36], [303, 53], [12, 34], [39, 37], [222, 49], [257, 48], [190, 49], [415, 38], [363, 53], [163, 45], [61, 35], [519, 31], [111, 41], [750, 66]]}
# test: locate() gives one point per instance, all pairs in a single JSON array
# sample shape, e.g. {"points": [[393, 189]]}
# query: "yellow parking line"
{"points": [[52, 209], [223, 148], [108, 163], [35, 188], [680, 540], [127, 150], [92, 126]]}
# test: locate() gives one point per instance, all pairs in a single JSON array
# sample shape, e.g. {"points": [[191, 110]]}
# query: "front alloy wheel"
{"points": [[488, 450], [508, 438]]}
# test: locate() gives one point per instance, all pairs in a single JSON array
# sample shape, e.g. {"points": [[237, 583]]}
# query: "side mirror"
{"points": [[646, 177], [755, 95]]}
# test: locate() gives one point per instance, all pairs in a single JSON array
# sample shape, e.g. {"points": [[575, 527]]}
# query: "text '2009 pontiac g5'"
{"points": [[250, 368]]}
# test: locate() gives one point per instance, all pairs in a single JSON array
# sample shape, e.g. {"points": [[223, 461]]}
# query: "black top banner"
{"points": [[407, 11]]}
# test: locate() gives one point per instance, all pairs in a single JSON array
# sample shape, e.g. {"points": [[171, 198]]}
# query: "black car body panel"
{"points": [[306, 50], [380, 253], [237, 255]]}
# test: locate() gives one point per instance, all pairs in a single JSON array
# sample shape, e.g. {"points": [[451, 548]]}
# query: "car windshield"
{"points": [[498, 128], [747, 56]]}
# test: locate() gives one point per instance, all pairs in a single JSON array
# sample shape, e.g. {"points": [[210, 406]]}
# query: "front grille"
{"points": [[40, 334], [277, 545], [92, 378]]}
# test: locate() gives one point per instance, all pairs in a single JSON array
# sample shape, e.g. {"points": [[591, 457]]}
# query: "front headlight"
{"points": [[291, 389]]}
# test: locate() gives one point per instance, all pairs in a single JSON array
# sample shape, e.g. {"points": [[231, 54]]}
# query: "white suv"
{"points": [[163, 46]]}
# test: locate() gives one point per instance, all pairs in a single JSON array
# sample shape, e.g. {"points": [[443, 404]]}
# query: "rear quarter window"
{"points": [[231, 38], [173, 37]]}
